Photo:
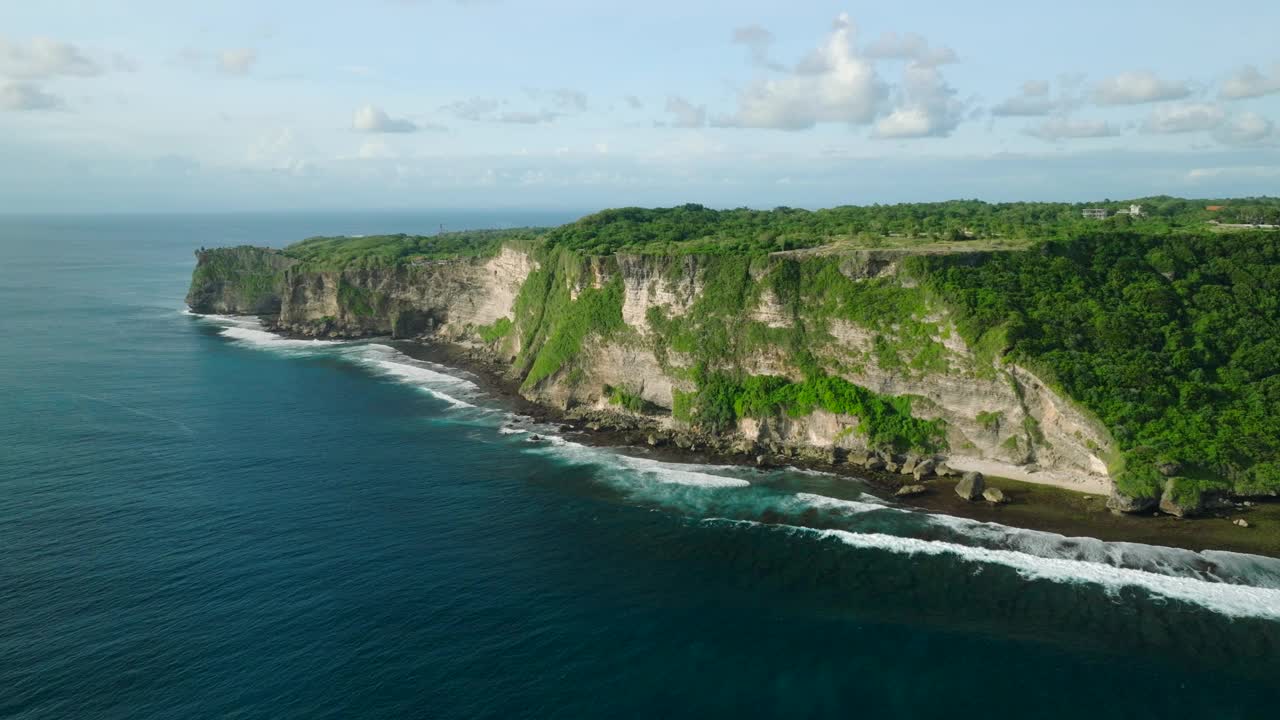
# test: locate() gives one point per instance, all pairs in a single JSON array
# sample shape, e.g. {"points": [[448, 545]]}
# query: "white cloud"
{"points": [[25, 96], [375, 149], [1214, 173], [1249, 82], [910, 46], [569, 100], [1132, 88], [526, 117], [475, 109], [832, 85], [929, 107], [280, 151], [1065, 128], [373, 120], [237, 61], [44, 58], [482, 109], [1248, 128], [1031, 101], [758, 40], [1188, 117], [686, 114]]}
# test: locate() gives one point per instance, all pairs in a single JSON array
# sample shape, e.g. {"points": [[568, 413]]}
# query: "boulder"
{"points": [[970, 486], [892, 467], [874, 463], [994, 495], [1179, 504], [763, 461], [944, 470], [909, 490], [1121, 503], [1241, 522], [909, 465], [923, 470], [857, 457]]}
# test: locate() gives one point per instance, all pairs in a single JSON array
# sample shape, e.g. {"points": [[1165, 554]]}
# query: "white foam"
{"points": [[422, 378], [680, 474], [270, 340], [507, 430], [1225, 598], [1208, 565], [419, 374], [822, 502], [646, 468]]}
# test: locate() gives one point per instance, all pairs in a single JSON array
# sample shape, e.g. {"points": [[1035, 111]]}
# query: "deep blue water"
{"points": [[198, 520]]}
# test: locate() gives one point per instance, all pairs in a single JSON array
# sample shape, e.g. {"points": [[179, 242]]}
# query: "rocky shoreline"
{"points": [[926, 483], [1248, 526]]}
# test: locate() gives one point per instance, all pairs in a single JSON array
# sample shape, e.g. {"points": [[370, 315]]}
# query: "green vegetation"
{"points": [[380, 251], [359, 301], [554, 322], [990, 421], [625, 399], [1171, 339], [694, 229], [885, 422], [497, 330], [248, 279]]}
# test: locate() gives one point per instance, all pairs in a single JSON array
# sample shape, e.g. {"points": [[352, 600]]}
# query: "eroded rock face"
{"points": [[1119, 502]]}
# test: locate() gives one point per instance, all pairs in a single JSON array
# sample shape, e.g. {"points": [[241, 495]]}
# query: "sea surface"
{"points": [[199, 519]]}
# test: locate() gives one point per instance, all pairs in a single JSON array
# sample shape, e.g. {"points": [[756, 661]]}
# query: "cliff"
{"points": [[1141, 358], [242, 280], [834, 354]]}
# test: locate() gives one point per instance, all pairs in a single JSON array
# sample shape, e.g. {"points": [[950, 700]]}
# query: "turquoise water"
{"points": [[198, 519]]}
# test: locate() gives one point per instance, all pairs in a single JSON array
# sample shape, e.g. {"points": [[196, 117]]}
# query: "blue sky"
{"points": [[134, 105]]}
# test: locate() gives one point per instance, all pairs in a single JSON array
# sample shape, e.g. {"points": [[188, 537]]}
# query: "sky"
{"points": [[135, 105]]}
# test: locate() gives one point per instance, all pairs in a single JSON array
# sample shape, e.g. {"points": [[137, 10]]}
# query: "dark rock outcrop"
{"points": [[1120, 502]]}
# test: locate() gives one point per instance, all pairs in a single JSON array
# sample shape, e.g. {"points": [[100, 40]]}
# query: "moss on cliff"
{"points": [[558, 308], [240, 280]]}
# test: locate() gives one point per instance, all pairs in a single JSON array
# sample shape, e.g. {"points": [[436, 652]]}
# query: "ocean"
{"points": [[199, 519]]}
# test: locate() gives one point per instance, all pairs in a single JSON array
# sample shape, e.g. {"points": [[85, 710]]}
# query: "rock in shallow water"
{"points": [[970, 486], [994, 495], [1119, 502], [909, 490]]}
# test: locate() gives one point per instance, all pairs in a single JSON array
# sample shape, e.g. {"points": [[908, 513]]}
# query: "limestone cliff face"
{"points": [[448, 299], [999, 418]]}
